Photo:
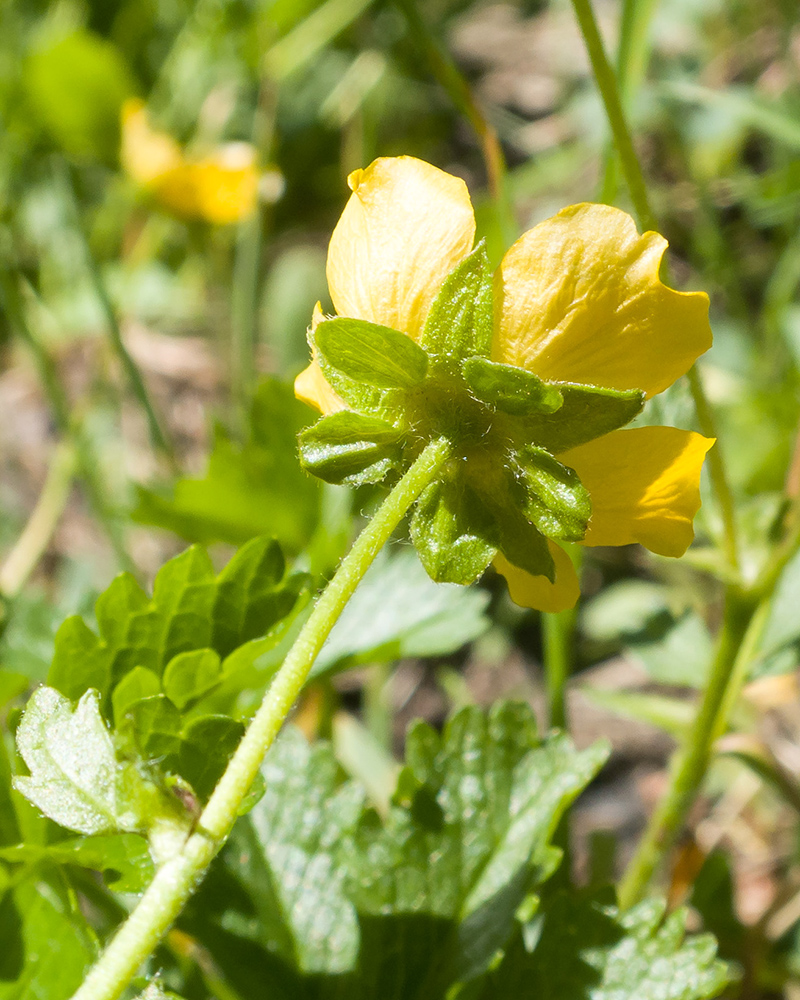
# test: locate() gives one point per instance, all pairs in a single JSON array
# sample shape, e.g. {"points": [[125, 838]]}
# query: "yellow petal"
{"points": [[222, 188], [536, 591], [645, 486], [579, 300], [146, 154], [311, 386], [227, 183], [405, 227]]}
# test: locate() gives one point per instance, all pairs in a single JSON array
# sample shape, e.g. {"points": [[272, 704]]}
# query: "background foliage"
{"points": [[147, 359]]}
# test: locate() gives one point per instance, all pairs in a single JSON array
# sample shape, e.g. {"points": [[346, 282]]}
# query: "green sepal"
{"points": [[459, 323], [556, 500], [371, 354], [449, 530], [510, 389], [588, 412], [524, 545], [503, 497], [350, 448]]}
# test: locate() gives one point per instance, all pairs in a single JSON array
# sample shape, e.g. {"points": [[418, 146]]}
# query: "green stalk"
{"points": [[631, 65], [557, 634], [450, 77], [158, 436], [247, 268], [631, 168], [178, 877], [607, 85], [716, 467], [67, 427], [36, 535], [691, 762]]}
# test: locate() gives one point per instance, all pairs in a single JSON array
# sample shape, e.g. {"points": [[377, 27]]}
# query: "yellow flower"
{"points": [[220, 188], [577, 299]]}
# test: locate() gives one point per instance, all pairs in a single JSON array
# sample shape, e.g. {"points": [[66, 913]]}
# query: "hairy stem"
{"points": [[178, 877]]}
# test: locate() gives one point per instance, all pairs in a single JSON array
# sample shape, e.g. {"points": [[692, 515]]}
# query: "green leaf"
{"points": [[589, 951], [371, 354], [449, 530], [154, 724], [681, 655], [253, 595], [350, 448], [124, 859], [71, 759], [673, 715], [80, 661], [198, 763], [587, 413], [556, 500], [139, 683], [256, 488], [520, 541], [290, 854], [398, 611], [76, 86], [47, 947], [188, 676], [190, 610], [510, 389], [459, 323], [473, 807]]}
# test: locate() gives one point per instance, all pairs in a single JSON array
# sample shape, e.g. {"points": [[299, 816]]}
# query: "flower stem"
{"points": [[607, 84], [450, 77], [22, 559], [691, 762], [716, 467], [632, 56], [557, 632], [178, 877], [610, 92], [158, 436]]}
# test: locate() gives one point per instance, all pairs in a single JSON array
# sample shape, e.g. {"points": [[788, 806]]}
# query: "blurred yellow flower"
{"points": [[221, 187], [577, 299]]}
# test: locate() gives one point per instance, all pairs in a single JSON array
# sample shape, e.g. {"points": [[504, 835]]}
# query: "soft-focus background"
{"points": [[170, 172]]}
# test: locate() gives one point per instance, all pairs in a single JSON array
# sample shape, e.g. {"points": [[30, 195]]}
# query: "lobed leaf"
{"points": [[587, 950], [191, 609], [70, 755]]}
